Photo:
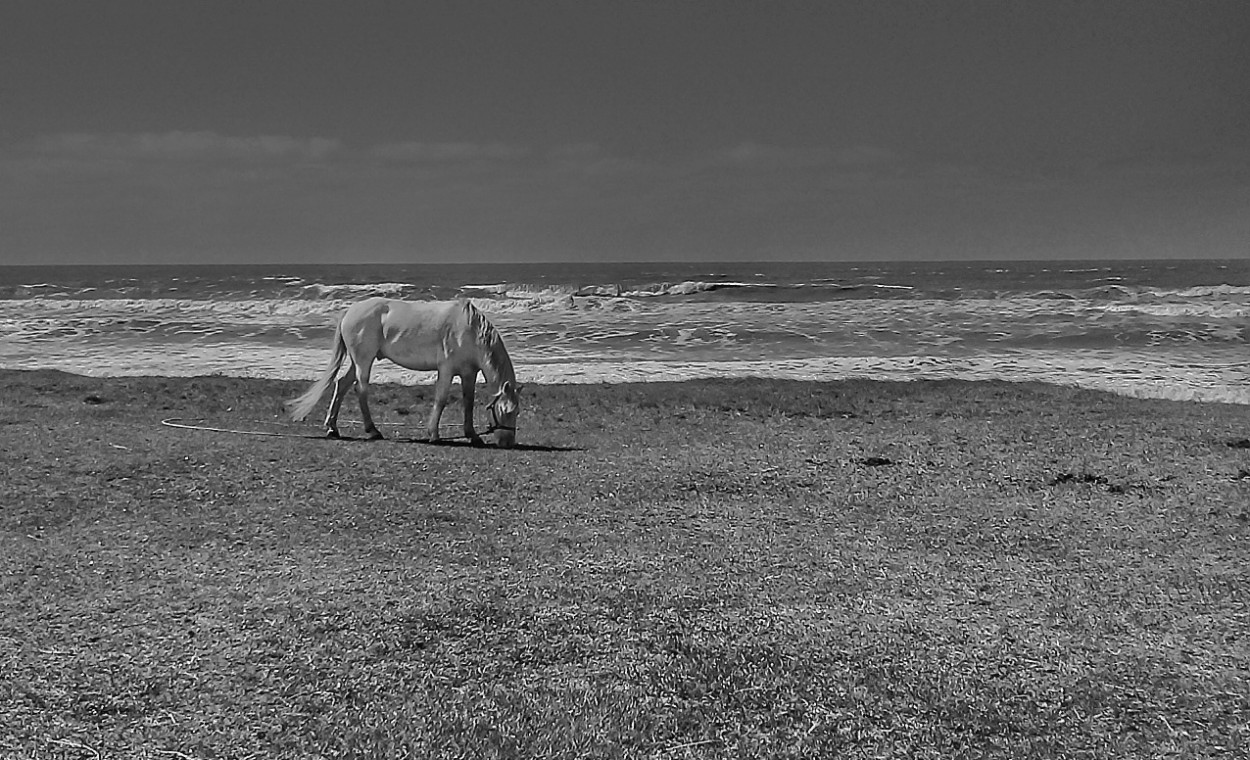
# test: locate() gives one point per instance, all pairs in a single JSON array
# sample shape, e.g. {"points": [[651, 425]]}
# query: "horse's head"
{"points": [[503, 407]]}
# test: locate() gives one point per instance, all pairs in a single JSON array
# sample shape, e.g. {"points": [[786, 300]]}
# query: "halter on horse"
{"points": [[452, 337]]}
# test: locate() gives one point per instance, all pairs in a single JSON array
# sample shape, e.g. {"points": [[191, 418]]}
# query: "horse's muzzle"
{"points": [[505, 439]]}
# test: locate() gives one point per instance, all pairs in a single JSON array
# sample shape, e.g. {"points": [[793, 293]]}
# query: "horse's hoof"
{"points": [[477, 442], [333, 434], [375, 435]]}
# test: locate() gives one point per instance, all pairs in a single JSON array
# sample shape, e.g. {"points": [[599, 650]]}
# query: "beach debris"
{"points": [[1240, 443], [1084, 478], [876, 461], [94, 399]]}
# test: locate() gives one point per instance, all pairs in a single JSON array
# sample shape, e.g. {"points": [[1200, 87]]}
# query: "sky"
{"points": [[302, 131]]}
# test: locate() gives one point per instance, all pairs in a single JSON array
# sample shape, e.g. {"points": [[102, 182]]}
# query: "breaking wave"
{"points": [[1095, 327]]}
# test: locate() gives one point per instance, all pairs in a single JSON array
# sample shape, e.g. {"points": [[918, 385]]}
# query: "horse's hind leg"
{"points": [[362, 394], [341, 388]]}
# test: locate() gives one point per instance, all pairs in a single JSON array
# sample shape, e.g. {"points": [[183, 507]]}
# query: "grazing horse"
{"points": [[452, 337]]}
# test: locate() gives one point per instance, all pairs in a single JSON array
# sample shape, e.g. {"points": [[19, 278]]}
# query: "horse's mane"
{"points": [[488, 338]]}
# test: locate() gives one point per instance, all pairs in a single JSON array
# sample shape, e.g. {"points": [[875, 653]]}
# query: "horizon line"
{"points": [[615, 262]]}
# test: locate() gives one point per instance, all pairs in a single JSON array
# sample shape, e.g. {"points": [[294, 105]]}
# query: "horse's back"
{"points": [[413, 334], [390, 314], [397, 311]]}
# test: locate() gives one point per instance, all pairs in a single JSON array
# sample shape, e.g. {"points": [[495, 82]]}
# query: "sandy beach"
{"points": [[711, 568]]}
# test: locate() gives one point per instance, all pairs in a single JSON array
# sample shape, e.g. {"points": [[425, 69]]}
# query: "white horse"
{"points": [[452, 337]]}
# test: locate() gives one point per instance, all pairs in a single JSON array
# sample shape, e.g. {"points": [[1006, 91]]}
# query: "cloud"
{"points": [[592, 161], [1229, 162], [447, 152], [182, 146], [751, 155], [866, 156], [203, 196], [577, 152]]}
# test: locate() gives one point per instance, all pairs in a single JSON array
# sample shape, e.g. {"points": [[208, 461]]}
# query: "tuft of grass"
{"points": [[744, 568]]}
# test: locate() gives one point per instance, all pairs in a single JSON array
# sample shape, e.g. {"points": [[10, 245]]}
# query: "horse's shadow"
{"points": [[454, 443], [470, 445]]}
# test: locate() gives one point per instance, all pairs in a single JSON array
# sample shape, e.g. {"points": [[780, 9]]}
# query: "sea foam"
{"points": [[1136, 374], [1139, 329]]}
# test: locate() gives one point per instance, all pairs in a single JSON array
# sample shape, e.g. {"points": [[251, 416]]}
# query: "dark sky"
{"points": [[310, 131]]}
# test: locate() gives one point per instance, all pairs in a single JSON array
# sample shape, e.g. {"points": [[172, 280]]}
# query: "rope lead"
{"points": [[175, 422]]}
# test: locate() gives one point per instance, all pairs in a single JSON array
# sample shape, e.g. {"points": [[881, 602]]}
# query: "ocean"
{"points": [[1163, 329]]}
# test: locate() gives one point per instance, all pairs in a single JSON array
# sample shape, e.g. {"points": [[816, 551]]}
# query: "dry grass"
{"points": [[707, 569]]}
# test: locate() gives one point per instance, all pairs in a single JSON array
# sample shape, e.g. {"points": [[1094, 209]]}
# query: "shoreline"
{"points": [[1135, 374]]}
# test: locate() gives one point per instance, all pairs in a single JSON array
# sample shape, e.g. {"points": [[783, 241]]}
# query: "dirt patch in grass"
{"points": [[742, 568]]}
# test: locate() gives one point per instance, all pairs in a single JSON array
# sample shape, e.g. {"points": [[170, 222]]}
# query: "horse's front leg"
{"points": [[468, 384], [442, 391]]}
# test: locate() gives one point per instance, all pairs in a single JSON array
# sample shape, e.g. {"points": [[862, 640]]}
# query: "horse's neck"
{"points": [[496, 365], [493, 358]]}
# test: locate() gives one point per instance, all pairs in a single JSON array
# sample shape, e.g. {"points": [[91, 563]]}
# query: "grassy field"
{"points": [[707, 569]]}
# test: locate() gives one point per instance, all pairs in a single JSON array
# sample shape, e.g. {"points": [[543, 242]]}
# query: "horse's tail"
{"points": [[300, 406]]}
